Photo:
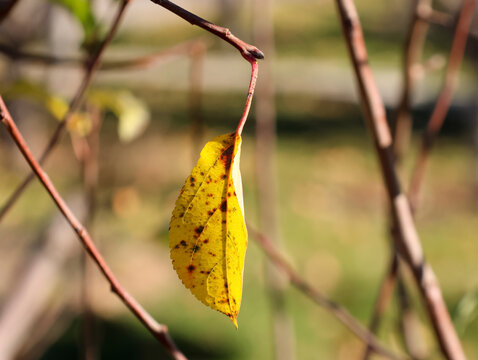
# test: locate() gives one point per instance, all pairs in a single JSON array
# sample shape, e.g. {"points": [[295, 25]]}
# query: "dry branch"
{"points": [[444, 100], [409, 245], [320, 299], [159, 331], [244, 48], [92, 66]]}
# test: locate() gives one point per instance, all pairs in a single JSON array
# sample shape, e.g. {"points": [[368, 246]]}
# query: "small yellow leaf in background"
{"points": [[208, 236]]}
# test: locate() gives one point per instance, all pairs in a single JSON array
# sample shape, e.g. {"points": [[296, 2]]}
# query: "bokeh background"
{"points": [[328, 203]]}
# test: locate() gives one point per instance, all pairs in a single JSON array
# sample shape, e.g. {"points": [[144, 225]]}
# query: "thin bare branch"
{"points": [[140, 62], [444, 100], [92, 66], [403, 126], [409, 245], [159, 331], [412, 56], [320, 299], [244, 48]]}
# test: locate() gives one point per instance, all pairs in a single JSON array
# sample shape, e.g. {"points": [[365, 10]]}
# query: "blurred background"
{"points": [[310, 176]]}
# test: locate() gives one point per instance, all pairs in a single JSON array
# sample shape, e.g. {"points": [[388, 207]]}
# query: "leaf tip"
{"points": [[234, 321]]}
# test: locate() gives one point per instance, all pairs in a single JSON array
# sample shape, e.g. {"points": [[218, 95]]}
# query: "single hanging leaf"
{"points": [[208, 236]]}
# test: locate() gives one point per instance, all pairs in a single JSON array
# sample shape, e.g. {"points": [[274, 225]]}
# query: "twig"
{"points": [[335, 309], [140, 62], [44, 59], [412, 55], [444, 100], [159, 331], [383, 298], [403, 127], [428, 14], [244, 48], [74, 105], [408, 241]]}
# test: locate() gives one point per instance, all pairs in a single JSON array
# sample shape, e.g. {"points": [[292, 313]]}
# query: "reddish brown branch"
{"points": [[408, 241], [159, 331], [320, 299], [403, 127], [412, 55], [444, 100], [74, 105], [244, 48]]}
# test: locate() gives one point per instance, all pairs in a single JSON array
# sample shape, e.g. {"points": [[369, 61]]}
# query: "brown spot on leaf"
{"points": [[224, 206], [226, 157], [199, 230], [224, 177], [206, 241], [196, 248], [210, 213], [183, 243], [191, 268]]}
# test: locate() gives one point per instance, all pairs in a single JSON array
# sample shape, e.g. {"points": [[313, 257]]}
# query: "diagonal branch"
{"points": [[402, 130], [92, 66], [335, 309], [159, 331], [444, 100], [244, 48], [403, 120], [408, 241]]}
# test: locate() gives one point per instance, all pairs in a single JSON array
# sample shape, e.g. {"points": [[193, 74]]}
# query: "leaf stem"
{"points": [[250, 94]]}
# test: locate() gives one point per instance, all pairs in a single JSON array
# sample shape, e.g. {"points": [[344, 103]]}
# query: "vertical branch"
{"points": [[266, 177], [444, 100], [92, 66], [159, 331], [403, 127], [408, 240], [412, 55]]}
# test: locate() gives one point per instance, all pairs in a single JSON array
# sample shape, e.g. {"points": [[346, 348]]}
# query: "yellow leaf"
{"points": [[208, 236]]}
